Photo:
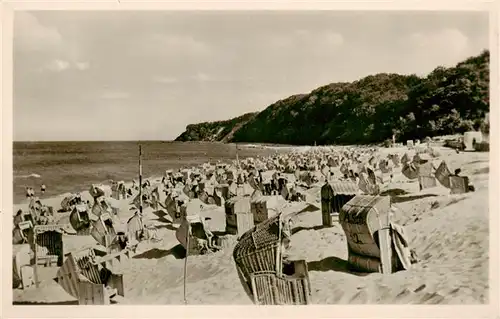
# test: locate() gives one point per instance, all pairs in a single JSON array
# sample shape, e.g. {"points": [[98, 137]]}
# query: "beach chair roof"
{"points": [[195, 218], [81, 208], [61, 228]]}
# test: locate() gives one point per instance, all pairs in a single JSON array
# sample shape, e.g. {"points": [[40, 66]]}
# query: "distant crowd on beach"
{"points": [[30, 192]]}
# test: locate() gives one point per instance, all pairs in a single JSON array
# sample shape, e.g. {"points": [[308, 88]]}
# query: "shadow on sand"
{"points": [[333, 263], [400, 195], [167, 226], [177, 251], [301, 228], [394, 192], [161, 216], [398, 199]]}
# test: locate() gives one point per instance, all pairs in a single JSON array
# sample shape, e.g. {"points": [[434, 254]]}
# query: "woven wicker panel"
{"points": [[88, 269], [270, 289], [443, 174], [84, 260], [251, 262], [257, 248], [364, 263], [360, 218], [267, 232]]}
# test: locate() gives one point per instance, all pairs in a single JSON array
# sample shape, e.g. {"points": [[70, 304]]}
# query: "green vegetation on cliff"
{"points": [[220, 131], [447, 101]]}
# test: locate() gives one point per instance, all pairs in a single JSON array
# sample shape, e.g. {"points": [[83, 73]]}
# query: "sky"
{"points": [[111, 75]]}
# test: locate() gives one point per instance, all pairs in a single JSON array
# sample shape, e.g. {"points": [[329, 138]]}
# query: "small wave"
{"points": [[26, 176]]}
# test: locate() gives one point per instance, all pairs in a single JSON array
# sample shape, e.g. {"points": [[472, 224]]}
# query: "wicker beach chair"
{"points": [[83, 276], [333, 196], [405, 159], [374, 243], [118, 190], [69, 202], [395, 159], [201, 240], [459, 184], [96, 191], [103, 205], [426, 177], [264, 207], [367, 186], [384, 166], [22, 232], [139, 231], [218, 194], [103, 230], [22, 269], [80, 219], [443, 174], [239, 217], [47, 245], [410, 171], [266, 277]]}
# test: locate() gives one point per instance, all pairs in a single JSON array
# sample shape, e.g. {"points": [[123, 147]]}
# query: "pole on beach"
{"points": [[185, 260], [140, 179], [237, 158]]}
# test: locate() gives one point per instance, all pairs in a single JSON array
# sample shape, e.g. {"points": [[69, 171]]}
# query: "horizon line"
{"points": [[117, 140]]}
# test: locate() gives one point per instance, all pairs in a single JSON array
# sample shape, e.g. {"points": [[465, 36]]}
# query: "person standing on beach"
{"points": [[42, 189]]}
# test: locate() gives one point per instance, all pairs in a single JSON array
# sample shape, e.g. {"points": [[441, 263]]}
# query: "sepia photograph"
{"points": [[318, 157]]}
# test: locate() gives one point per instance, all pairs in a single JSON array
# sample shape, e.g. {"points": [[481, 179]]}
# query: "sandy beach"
{"points": [[450, 234]]}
